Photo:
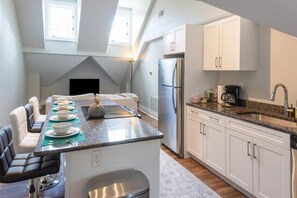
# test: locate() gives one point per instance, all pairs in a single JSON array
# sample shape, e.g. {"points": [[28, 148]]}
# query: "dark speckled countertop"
{"points": [[255, 107], [102, 132]]}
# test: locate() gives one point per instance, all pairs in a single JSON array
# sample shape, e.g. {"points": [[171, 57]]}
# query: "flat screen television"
{"points": [[83, 86]]}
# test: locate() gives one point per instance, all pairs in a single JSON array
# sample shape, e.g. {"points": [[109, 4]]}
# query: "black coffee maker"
{"points": [[231, 95]]}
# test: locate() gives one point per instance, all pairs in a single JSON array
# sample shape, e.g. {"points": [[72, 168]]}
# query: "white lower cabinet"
{"points": [[256, 158], [258, 166], [206, 141]]}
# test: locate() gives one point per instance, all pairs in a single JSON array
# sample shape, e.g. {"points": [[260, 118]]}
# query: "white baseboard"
{"points": [[149, 112]]}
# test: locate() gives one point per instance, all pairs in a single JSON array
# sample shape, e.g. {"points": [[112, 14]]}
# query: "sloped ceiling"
{"points": [[278, 14], [53, 66], [116, 68], [95, 24], [30, 20]]}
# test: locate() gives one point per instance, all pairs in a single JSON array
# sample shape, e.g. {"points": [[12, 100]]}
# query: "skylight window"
{"points": [[61, 20], [121, 28]]}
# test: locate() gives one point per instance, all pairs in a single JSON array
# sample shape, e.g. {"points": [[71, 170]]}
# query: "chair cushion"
{"points": [[33, 127], [27, 166], [28, 143], [7, 152]]}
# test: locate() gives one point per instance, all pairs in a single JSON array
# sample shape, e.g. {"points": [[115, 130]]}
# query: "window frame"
{"points": [[128, 12], [63, 4]]}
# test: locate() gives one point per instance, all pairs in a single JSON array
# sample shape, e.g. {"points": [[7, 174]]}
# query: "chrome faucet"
{"points": [[272, 96]]}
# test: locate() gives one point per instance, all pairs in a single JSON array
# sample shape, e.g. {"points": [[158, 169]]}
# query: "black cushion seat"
{"points": [[19, 167], [33, 127]]}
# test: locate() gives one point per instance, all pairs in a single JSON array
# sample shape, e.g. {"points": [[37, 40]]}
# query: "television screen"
{"points": [[83, 86]]}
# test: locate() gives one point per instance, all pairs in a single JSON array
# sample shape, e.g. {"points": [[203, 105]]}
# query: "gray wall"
{"points": [[145, 81], [87, 69], [13, 73]]}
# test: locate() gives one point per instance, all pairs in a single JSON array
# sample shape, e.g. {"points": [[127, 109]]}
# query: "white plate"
{"points": [[70, 132], [68, 108], [55, 118], [68, 101]]}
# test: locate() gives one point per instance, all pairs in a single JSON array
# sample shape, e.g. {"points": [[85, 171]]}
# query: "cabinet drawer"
{"points": [[206, 115], [268, 135]]}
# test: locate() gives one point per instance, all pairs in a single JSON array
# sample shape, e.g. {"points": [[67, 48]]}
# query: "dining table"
{"points": [[119, 140]]}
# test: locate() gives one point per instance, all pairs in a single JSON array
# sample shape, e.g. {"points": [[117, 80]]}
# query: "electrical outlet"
{"points": [[96, 158]]}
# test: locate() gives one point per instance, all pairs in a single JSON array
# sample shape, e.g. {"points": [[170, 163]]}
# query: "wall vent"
{"points": [[154, 103]]}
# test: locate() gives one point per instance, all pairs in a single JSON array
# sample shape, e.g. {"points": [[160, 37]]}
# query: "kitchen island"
{"points": [[109, 145]]}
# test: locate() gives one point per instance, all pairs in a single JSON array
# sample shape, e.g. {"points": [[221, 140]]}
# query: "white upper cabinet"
{"points": [[174, 41], [230, 44]]}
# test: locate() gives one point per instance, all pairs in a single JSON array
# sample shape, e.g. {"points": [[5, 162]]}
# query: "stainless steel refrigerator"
{"points": [[170, 103]]}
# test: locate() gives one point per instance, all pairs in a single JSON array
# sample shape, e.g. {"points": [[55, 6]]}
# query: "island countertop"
{"points": [[101, 133]]}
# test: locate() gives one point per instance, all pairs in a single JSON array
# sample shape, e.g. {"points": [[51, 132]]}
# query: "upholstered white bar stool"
{"points": [[24, 142], [37, 116]]}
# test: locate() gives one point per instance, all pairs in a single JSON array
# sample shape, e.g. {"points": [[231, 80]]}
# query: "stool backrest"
{"points": [[19, 126], [7, 152], [30, 116], [34, 102]]}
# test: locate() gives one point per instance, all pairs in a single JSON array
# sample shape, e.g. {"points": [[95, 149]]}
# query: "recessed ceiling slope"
{"points": [[95, 24], [30, 20], [116, 68], [51, 66], [278, 14]]}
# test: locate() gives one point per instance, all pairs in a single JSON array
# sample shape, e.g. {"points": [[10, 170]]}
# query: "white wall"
{"points": [[13, 74], [283, 61], [145, 80], [33, 84], [87, 69]]}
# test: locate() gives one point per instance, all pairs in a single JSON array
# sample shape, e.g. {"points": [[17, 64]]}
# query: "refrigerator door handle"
{"points": [[173, 101]]}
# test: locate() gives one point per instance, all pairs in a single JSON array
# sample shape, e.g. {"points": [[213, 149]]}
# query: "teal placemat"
{"points": [[72, 111], [75, 121], [80, 137]]}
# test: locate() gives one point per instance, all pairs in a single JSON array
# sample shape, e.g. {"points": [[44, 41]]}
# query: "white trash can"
{"points": [[128, 183]]}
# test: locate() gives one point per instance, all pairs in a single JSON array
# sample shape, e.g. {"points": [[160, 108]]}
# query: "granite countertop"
{"points": [[101, 133], [254, 107]]}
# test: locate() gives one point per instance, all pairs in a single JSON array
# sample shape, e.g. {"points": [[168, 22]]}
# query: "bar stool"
{"points": [[33, 127], [37, 116], [25, 142], [18, 167]]}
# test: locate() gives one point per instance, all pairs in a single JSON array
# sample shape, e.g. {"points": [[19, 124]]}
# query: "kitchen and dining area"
{"points": [[148, 98]]}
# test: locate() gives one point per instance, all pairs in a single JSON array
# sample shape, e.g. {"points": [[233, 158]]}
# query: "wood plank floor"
{"points": [[206, 176]]}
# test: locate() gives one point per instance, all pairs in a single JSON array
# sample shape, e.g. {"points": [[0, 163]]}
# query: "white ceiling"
{"points": [[278, 14]]}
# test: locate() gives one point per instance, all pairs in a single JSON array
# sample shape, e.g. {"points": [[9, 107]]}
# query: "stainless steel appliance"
{"points": [[294, 165], [231, 95], [170, 103]]}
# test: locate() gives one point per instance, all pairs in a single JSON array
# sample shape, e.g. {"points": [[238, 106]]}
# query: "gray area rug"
{"points": [[178, 182]]}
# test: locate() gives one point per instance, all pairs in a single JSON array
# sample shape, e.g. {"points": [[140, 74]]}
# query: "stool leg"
{"points": [[33, 188]]}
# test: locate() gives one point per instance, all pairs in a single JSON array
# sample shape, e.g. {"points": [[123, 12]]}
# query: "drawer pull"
{"points": [[203, 127], [194, 112], [200, 129], [214, 119]]}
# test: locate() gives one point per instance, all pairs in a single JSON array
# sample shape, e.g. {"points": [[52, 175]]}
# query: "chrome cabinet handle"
{"points": [[203, 126], [213, 119], [194, 112], [200, 129], [216, 62], [220, 62], [254, 151], [248, 148]]}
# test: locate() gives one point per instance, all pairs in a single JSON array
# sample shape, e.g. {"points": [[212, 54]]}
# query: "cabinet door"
{"points": [[211, 46], [239, 159], [214, 147], [179, 41], [194, 137], [271, 167], [168, 42], [229, 44]]}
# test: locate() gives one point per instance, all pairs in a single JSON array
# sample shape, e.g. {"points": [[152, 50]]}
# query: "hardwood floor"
{"points": [[206, 176]]}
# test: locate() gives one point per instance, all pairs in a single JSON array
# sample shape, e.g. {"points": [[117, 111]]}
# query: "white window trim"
{"points": [[129, 13], [46, 21]]}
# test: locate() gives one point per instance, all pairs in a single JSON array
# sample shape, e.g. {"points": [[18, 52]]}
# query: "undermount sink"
{"points": [[269, 119]]}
